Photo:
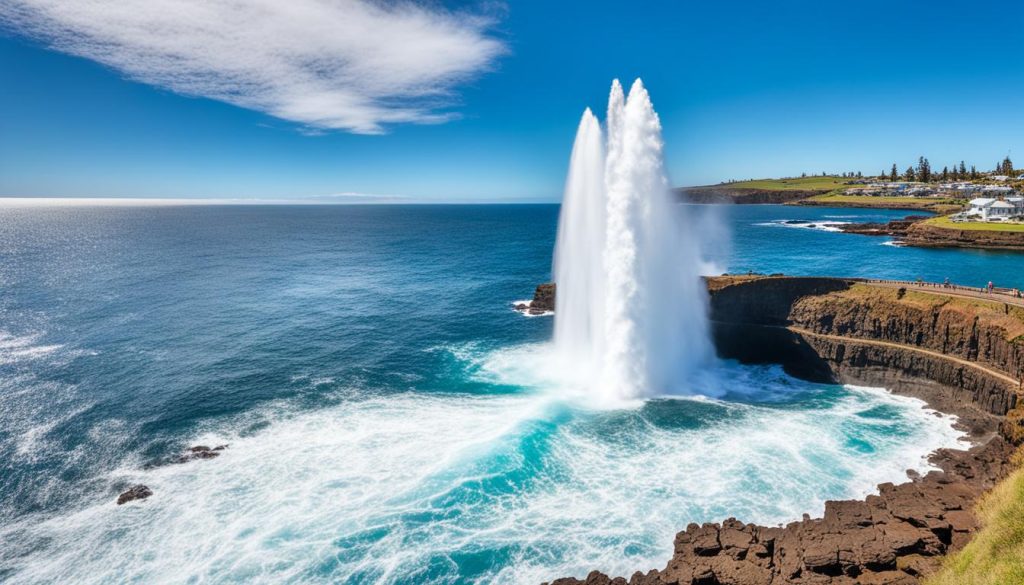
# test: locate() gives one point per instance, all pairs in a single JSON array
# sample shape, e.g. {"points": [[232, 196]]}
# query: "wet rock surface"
{"points": [[136, 492], [200, 452]]}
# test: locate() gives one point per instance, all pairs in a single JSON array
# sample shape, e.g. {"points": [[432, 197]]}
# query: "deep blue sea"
{"points": [[387, 415]]}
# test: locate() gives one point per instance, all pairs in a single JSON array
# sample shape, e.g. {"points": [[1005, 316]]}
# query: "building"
{"points": [[992, 209], [979, 207], [1000, 210]]}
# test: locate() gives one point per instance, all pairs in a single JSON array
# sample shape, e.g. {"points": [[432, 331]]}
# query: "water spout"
{"points": [[631, 306]]}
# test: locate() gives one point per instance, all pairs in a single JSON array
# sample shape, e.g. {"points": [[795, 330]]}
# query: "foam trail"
{"points": [[435, 489]]}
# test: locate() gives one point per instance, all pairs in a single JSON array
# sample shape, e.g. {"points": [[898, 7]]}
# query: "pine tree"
{"points": [[999, 168], [924, 170], [963, 170], [974, 173], [894, 174], [909, 174], [860, 175], [945, 174], [1007, 166], [955, 173]]}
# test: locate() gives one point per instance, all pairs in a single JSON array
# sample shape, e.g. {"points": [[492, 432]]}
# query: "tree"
{"points": [[894, 174], [1007, 166], [924, 170], [909, 174], [999, 168], [945, 174], [963, 170], [974, 173], [955, 173], [860, 175]]}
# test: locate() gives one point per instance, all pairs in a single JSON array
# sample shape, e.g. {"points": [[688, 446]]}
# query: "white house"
{"points": [[979, 206], [1000, 210], [989, 208]]}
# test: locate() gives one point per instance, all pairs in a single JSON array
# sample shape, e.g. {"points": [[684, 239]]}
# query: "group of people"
{"points": [[989, 288]]}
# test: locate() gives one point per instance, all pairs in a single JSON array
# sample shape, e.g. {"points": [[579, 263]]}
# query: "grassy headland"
{"points": [[946, 222], [794, 184], [939, 205]]}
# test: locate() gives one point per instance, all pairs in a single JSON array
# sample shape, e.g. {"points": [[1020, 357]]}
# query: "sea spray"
{"points": [[580, 233], [628, 251]]}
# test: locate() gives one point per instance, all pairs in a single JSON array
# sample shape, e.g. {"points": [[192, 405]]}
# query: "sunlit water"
{"points": [[390, 418]]}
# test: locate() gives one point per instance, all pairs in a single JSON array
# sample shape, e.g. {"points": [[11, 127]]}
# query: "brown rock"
{"points": [[136, 492]]}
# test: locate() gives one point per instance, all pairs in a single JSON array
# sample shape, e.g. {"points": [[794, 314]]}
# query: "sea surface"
{"points": [[389, 418]]}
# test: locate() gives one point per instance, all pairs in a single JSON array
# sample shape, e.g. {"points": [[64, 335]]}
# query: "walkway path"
{"points": [[999, 295], [977, 366]]}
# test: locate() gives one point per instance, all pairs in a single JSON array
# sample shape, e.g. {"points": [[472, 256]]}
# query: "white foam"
{"points": [[527, 313], [404, 488], [823, 226]]}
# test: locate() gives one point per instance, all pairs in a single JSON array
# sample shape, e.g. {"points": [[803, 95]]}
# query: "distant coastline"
{"points": [[941, 231]]}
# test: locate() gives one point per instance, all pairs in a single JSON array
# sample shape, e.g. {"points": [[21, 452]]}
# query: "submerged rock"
{"points": [[200, 452], [136, 492]]}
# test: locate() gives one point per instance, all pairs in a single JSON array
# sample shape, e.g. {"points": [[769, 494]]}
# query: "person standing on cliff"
{"points": [[990, 286]]}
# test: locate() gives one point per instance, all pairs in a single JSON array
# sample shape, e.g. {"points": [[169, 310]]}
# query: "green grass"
{"points": [[795, 184], [839, 197], [946, 222], [995, 556]]}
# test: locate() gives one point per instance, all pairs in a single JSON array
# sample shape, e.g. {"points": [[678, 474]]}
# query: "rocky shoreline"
{"points": [[961, 358], [926, 235], [913, 230]]}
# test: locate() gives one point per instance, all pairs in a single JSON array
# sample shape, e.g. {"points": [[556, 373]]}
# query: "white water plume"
{"points": [[631, 307]]}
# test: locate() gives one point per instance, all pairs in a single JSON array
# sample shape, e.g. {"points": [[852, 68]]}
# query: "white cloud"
{"points": [[353, 65]]}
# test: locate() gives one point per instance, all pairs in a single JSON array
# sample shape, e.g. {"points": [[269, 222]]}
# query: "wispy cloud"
{"points": [[354, 65]]}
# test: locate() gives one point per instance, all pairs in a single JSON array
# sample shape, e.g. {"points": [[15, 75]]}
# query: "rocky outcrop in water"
{"points": [[136, 492], [896, 228], [200, 452], [963, 356], [543, 299]]}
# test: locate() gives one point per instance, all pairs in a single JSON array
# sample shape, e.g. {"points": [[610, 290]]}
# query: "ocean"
{"points": [[387, 415]]}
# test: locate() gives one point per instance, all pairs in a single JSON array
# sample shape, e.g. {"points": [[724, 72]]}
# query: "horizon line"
{"points": [[23, 202]]}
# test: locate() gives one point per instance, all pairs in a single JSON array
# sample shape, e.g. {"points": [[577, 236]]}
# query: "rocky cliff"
{"points": [[726, 194], [963, 355]]}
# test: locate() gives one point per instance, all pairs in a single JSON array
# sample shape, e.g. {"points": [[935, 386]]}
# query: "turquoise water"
{"points": [[390, 418]]}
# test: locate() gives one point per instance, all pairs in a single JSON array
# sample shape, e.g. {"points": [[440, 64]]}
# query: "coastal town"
{"points": [[956, 207], [994, 196]]}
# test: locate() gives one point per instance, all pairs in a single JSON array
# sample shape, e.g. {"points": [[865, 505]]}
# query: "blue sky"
{"points": [[479, 102]]}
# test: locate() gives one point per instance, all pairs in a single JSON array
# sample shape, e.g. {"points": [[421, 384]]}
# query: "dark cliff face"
{"points": [[725, 194]]}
